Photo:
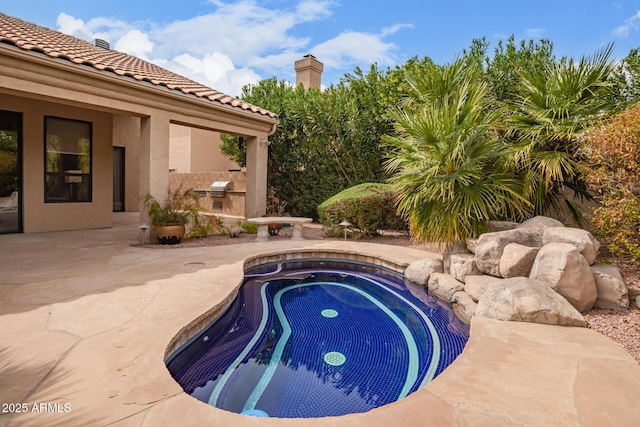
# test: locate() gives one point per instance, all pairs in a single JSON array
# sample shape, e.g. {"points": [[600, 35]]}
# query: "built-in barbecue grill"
{"points": [[219, 188]]}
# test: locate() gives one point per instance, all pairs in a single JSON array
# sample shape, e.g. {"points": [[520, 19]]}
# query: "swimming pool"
{"points": [[311, 338]]}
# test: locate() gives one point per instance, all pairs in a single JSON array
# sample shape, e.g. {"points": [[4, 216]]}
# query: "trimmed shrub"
{"points": [[368, 207]]}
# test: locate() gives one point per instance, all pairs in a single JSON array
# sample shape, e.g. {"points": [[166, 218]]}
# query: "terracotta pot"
{"points": [[169, 234], [274, 229]]}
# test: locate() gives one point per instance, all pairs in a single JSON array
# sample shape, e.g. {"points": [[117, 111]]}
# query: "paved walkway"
{"points": [[86, 319]]}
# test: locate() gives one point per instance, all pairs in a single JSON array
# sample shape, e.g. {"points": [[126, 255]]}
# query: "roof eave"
{"points": [[111, 77]]}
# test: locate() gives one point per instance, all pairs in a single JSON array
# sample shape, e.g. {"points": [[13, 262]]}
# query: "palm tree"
{"points": [[556, 104], [447, 163]]}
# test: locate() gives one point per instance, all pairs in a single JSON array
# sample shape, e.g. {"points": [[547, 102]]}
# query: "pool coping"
{"points": [[108, 362]]}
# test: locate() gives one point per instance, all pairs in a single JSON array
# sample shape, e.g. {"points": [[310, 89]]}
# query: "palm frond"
{"points": [[555, 107], [448, 167]]}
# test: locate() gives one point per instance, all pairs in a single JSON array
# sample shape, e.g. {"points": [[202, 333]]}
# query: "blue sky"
{"points": [[226, 44]]}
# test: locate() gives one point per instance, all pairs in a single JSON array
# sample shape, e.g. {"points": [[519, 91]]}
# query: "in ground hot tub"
{"points": [[319, 338]]}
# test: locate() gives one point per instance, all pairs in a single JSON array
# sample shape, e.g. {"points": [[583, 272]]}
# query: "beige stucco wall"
{"points": [[257, 153], [180, 149], [154, 156], [205, 153], [197, 151], [39, 216]]}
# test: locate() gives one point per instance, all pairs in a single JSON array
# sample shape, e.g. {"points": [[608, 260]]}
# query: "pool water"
{"points": [[319, 338]]}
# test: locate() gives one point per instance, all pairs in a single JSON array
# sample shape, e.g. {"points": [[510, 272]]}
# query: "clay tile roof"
{"points": [[55, 44]]}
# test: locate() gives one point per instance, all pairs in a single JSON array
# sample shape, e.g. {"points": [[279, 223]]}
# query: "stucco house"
{"points": [[82, 126]]}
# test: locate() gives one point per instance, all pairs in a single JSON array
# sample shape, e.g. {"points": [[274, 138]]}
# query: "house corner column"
{"points": [[257, 158], [154, 158]]}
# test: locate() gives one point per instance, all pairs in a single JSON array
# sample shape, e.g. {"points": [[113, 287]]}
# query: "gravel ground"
{"points": [[622, 326]]}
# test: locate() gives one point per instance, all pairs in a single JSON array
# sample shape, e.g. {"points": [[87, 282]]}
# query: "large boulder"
{"points": [[454, 248], [517, 260], [444, 286], [538, 224], [491, 246], [502, 225], [463, 265], [612, 291], [581, 239], [566, 271], [464, 306], [419, 271], [476, 286], [522, 299], [471, 245]]}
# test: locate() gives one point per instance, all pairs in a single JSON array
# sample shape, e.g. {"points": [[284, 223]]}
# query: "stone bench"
{"points": [[264, 222]]}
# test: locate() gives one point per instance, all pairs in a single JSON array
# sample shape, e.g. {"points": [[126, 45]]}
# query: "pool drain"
{"points": [[329, 313], [335, 358]]}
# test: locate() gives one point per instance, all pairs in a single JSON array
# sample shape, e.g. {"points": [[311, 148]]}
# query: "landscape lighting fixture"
{"points": [[345, 224]]}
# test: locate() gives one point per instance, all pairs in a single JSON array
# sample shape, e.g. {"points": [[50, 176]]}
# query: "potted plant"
{"points": [[171, 216]]}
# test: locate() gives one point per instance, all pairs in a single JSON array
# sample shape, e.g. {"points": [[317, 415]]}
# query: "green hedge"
{"points": [[368, 207]]}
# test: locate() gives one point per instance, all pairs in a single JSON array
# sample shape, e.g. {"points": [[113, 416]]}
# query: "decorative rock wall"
{"points": [[538, 271]]}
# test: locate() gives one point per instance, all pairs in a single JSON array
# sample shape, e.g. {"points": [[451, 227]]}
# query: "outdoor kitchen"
{"points": [[221, 193]]}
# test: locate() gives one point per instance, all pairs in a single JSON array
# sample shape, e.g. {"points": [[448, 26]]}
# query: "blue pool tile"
{"points": [[337, 338]]}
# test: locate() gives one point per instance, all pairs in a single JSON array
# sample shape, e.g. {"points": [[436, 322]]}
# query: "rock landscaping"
{"points": [[538, 271]]}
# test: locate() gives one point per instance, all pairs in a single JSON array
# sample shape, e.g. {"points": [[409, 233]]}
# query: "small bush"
{"points": [[203, 225], [250, 228], [617, 221], [368, 207], [614, 176]]}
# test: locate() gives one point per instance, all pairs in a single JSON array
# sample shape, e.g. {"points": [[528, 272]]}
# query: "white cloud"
{"points": [[280, 63], [632, 23], [534, 33], [313, 10], [243, 30], [135, 43], [394, 29], [215, 70], [237, 41], [351, 48], [103, 28], [75, 27]]}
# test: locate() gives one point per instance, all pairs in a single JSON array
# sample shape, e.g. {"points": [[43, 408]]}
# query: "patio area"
{"points": [[86, 319]]}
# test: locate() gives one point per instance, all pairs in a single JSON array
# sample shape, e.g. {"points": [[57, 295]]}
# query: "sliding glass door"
{"points": [[10, 172]]}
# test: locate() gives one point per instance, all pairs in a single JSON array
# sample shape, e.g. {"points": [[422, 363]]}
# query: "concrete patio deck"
{"points": [[86, 318]]}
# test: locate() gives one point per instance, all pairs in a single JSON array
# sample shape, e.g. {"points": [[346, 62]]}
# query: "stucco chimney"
{"points": [[308, 72]]}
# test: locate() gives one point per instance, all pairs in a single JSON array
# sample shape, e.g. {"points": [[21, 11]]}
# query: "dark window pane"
{"points": [[67, 160]]}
